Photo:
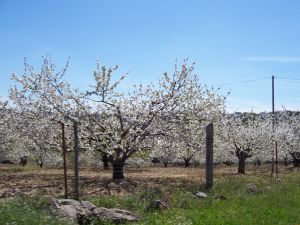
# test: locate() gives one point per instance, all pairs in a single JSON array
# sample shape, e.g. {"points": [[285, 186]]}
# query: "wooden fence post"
{"points": [[209, 155], [64, 158], [76, 161]]}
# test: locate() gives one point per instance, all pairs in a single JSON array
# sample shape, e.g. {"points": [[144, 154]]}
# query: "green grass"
{"points": [[276, 203], [27, 211]]}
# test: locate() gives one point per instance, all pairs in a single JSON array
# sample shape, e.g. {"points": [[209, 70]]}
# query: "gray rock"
{"points": [[251, 188], [201, 194], [156, 205], [84, 212], [68, 208], [116, 215], [87, 206]]}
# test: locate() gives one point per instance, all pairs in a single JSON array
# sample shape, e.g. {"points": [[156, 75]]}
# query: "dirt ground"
{"points": [[15, 179]]}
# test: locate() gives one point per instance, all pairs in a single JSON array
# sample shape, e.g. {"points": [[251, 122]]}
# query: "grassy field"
{"points": [[275, 202]]}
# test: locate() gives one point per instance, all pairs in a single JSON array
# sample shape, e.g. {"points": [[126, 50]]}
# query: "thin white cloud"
{"points": [[282, 59]]}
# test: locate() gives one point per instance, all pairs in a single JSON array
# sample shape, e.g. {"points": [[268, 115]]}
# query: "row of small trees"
{"points": [[165, 119]]}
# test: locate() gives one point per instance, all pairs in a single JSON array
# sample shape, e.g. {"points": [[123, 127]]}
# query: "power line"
{"points": [[244, 81], [287, 78], [254, 80]]}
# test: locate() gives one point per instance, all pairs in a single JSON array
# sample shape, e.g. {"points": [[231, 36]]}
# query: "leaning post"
{"points": [[209, 155]]}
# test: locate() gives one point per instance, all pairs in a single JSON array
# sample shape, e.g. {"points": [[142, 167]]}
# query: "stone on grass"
{"points": [[201, 194], [87, 206], [85, 212], [251, 188], [114, 214], [68, 208], [156, 205]]}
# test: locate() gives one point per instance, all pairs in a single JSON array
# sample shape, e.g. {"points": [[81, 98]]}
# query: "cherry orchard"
{"points": [[246, 136], [42, 100], [117, 125], [5, 134], [185, 136], [287, 128], [121, 125]]}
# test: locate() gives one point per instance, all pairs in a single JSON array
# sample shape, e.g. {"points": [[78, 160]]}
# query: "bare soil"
{"points": [[15, 179]]}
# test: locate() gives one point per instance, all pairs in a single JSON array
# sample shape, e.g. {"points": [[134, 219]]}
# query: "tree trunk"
{"points": [[105, 161], [40, 163], [118, 170], [241, 165], [165, 164], [186, 162]]}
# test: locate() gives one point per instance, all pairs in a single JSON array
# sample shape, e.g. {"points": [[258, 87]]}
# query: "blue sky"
{"points": [[230, 41]]}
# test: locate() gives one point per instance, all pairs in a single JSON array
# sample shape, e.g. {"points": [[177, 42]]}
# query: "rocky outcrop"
{"points": [[84, 212]]}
